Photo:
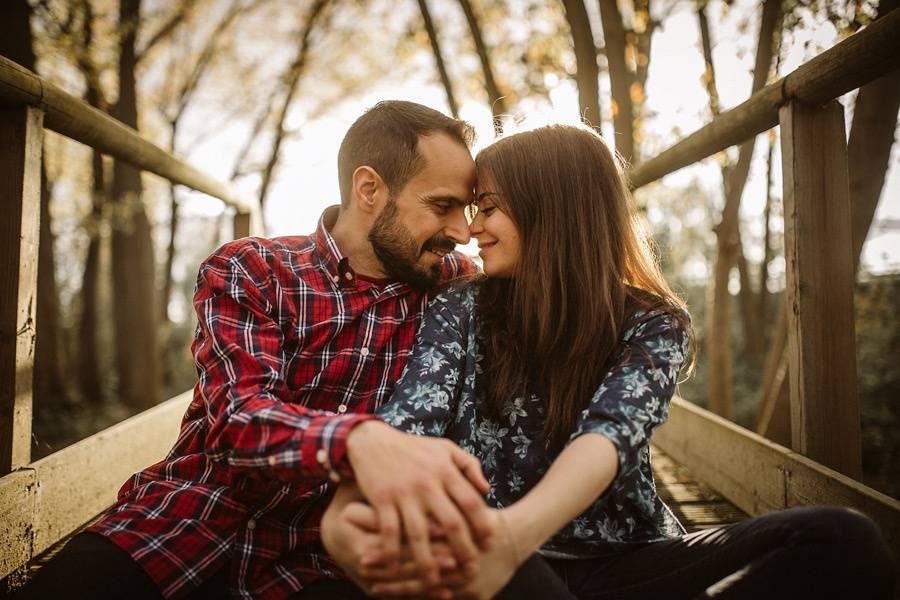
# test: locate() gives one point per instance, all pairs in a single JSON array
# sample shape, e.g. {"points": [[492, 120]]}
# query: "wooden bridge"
{"points": [[710, 470]]}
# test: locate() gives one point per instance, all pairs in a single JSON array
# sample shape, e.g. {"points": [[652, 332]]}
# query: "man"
{"points": [[300, 339]]}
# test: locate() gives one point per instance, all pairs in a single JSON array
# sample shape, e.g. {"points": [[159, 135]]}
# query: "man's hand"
{"points": [[351, 536], [494, 569], [410, 480]]}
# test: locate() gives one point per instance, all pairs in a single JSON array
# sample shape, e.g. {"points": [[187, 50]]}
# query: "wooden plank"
{"points": [[820, 275], [76, 119], [20, 194], [759, 476], [857, 60], [18, 495], [72, 486]]}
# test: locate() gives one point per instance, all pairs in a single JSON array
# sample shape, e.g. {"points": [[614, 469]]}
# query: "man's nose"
{"points": [[458, 228]]}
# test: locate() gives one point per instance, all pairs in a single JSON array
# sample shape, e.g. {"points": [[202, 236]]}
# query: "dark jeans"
{"points": [[793, 554], [798, 553]]}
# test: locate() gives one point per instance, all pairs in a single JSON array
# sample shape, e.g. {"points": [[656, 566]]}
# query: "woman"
{"points": [[554, 370]]}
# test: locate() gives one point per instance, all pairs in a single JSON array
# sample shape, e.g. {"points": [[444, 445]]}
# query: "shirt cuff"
{"points": [[324, 445]]}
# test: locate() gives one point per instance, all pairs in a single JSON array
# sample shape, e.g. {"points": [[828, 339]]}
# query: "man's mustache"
{"points": [[440, 244]]}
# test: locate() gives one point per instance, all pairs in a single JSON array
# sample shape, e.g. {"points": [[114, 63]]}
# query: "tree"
{"points": [[718, 343], [495, 97], [438, 57], [586, 61], [16, 44], [134, 277]]}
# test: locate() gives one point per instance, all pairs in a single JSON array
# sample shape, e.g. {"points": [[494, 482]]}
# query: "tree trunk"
{"points": [[135, 313], [620, 79], [89, 380], [439, 57], [588, 72], [16, 44], [869, 148], [728, 233], [291, 79], [498, 105]]}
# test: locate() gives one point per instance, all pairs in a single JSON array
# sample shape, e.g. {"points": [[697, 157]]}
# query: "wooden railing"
{"points": [[44, 501]]}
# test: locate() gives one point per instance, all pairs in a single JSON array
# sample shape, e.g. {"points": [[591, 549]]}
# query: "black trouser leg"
{"points": [[813, 552], [90, 567]]}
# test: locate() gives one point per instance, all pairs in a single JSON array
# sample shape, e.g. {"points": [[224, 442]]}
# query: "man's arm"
{"points": [[240, 357]]}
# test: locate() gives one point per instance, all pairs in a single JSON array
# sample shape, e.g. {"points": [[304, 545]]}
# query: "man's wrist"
{"points": [[358, 438]]}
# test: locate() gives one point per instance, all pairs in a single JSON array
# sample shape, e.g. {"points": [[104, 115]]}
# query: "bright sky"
{"points": [[306, 181]]}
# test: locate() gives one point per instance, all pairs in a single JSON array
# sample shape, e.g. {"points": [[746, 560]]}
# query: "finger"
{"points": [[473, 507], [389, 528], [455, 526], [415, 526], [391, 589], [362, 516], [471, 468]]}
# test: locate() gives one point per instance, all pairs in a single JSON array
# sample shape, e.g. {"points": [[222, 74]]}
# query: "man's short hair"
{"points": [[386, 138]]}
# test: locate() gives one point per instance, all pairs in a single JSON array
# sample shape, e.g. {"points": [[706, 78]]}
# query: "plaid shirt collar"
{"points": [[338, 266]]}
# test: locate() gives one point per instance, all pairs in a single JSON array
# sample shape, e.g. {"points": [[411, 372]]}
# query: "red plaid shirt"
{"points": [[292, 350]]}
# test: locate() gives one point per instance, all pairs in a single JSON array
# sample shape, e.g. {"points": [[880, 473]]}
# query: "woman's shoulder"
{"points": [[649, 314], [459, 294]]}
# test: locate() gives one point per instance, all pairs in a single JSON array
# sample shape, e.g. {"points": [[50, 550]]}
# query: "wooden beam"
{"points": [[46, 501], [759, 476], [20, 195], [819, 290], [857, 60], [76, 119]]}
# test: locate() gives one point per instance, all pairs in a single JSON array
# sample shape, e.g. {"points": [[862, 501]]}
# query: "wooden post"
{"points": [[241, 225], [21, 130], [819, 268]]}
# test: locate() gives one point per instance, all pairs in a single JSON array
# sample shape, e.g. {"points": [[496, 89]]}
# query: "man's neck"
{"points": [[350, 233]]}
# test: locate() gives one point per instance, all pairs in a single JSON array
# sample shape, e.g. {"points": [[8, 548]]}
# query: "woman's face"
{"points": [[497, 235]]}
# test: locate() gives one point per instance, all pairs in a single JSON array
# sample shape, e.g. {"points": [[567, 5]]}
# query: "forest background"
{"points": [[260, 92]]}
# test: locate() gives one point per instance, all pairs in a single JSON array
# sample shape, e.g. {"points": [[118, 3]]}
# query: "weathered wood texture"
{"points": [[46, 501], [20, 195], [853, 62], [695, 504], [819, 287], [78, 120], [759, 476]]}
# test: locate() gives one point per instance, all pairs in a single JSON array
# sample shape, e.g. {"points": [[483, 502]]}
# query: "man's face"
{"points": [[427, 218]]}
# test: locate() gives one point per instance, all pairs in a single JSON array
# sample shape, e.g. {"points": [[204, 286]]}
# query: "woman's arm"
{"points": [[578, 476]]}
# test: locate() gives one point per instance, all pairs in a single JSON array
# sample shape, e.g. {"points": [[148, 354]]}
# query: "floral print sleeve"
{"points": [[634, 397], [425, 396]]}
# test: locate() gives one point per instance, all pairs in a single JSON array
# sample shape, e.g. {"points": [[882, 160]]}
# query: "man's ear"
{"points": [[368, 189]]}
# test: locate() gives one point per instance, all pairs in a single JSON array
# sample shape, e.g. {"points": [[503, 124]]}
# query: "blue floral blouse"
{"points": [[437, 396]]}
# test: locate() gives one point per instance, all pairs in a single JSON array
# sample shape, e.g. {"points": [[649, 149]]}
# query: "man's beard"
{"points": [[396, 248]]}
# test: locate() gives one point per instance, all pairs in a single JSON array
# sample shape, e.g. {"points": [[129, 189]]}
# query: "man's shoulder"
{"points": [[254, 254], [456, 265]]}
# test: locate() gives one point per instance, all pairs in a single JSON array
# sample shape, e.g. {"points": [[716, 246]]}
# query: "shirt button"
{"points": [[251, 524], [342, 408], [335, 278], [273, 460], [321, 456], [348, 275], [364, 352], [334, 476]]}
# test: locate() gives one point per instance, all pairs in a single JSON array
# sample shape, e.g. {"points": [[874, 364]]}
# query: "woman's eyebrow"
{"points": [[484, 195]]}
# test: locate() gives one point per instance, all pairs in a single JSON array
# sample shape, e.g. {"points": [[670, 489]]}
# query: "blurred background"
{"points": [[259, 93]]}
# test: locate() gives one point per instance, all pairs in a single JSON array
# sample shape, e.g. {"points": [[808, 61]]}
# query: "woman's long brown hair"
{"points": [[585, 266]]}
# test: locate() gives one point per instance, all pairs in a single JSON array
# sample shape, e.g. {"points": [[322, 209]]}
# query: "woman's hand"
{"points": [[493, 570], [351, 535]]}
